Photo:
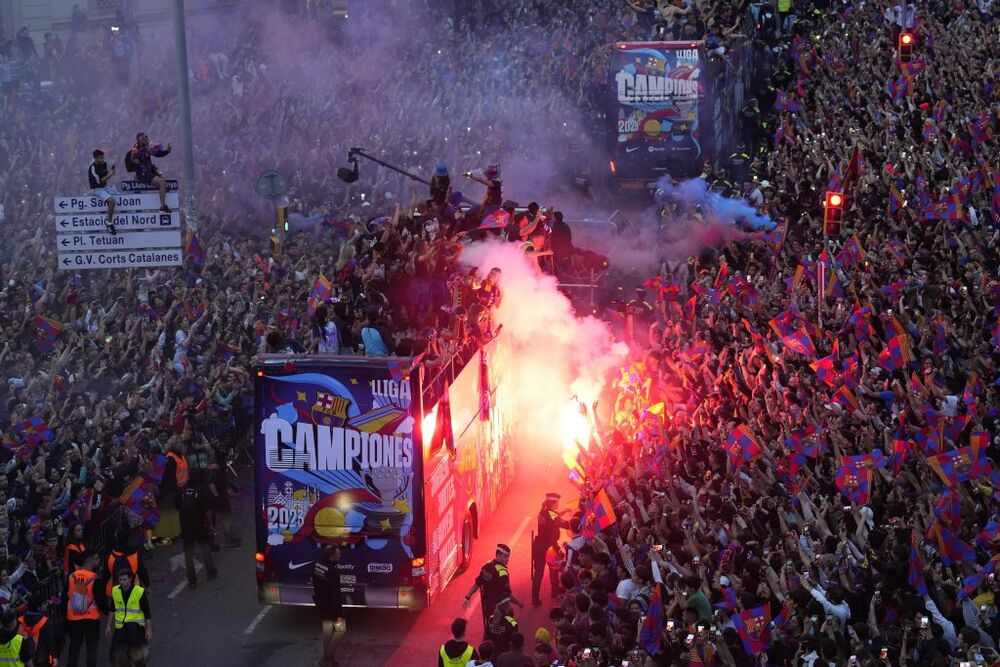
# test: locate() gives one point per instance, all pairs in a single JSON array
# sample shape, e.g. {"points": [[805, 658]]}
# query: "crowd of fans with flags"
{"points": [[800, 467]]}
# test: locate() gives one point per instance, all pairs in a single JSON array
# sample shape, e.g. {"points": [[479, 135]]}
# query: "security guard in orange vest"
{"points": [[14, 649], [34, 625], [180, 465], [123, 556], [493, 583], [130, 624], [456, 652], [549, 525], [83, 616]]}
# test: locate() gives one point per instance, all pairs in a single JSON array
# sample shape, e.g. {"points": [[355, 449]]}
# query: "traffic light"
{"points": [[905, 47], [833, 213]]}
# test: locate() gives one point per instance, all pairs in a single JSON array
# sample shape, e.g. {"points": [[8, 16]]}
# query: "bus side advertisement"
{"points": [[657, 115], [338, 461]]}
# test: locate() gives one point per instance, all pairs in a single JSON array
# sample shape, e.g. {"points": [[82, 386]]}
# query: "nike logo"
{"points": [[296, 566], [631, 150]]}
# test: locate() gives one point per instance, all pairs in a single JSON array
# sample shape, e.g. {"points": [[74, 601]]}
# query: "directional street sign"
{"points": [[95, 222], [120, 241], [144, 201], [123, 259], [139, 186]]}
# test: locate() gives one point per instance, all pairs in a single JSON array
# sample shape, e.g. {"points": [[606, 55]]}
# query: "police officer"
{"points": [[549, 525], [494, 584], [14, 649], [739, 165], [501, 626], [326, 595]]}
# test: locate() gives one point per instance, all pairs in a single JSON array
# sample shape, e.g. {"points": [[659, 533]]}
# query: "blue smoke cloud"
{"points": [[695, 192]]}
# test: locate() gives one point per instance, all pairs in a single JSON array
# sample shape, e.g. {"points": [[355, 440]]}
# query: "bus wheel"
{"points": [[466, 542]]}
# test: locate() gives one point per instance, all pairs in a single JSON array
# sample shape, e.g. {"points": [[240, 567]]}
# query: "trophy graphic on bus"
{"points": [[390, 485]]}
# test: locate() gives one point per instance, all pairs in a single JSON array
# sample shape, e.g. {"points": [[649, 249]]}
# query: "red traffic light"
{"points": [[905, 38], [834, 199]]}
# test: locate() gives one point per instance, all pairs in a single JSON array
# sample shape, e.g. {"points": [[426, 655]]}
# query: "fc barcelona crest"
{"points": [[330, 409]]}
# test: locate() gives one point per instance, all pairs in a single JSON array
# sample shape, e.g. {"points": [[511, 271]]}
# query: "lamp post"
{"points": [[184, 97]]}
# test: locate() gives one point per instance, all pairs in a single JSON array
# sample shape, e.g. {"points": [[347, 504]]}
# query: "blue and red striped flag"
{"points": [[930, 131], [960, 465], [896, 200], [980, 129], [940, 335], [897, 89], [975, 580], [322, 290], [893, 356], [743, 447], [854, 480], [988, 535], [652, 626], [754, 628], [948, 509], [799, 341], [826, 369], [46, 332], [995, 207], [951, 549], [846, 399], [194, 249], [900, 452]]}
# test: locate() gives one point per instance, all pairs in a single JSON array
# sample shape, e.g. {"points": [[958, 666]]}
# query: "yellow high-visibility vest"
{"points": [[128, 612]]}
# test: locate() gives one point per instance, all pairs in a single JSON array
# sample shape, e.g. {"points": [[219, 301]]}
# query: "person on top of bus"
{"points": [[493, 198]]}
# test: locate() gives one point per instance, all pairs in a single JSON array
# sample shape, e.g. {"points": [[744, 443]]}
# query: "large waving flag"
{"points": [[193, 248], [799, 341], [916, 576], [652, 626], [948, 509], [893, 356], [137, 498], [959, 465], [900, 452], [974, 581], [601, 512], [826, 370], [46, 332], [743, 447], [846, 399], [950, 547], [754, 628], [989, 535], [322, 290], [854, 480]]}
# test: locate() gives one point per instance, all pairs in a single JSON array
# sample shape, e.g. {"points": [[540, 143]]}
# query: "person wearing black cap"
{"points": [[14, 649], [493, 583], [550, 523]]}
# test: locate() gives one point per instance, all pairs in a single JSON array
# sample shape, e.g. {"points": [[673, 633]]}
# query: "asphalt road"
{"points": [[221, 623]]}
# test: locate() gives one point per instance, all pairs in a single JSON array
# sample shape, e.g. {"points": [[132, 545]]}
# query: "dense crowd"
{"points": [[126, 395], [799, 463]]}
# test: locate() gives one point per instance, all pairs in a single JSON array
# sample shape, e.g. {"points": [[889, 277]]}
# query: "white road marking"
{"points": [[519, 532], [180, 587], [260, 617], [474, 600]]}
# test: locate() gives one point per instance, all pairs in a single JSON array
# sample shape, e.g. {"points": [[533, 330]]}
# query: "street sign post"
{"points": [[120, 241], [120, 259], [96, 222], [138, 186], [144, 201]]}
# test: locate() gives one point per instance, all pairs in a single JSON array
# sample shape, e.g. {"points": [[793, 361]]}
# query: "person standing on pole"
{"points": [[493, 583], [98, 176], [140, 160], [327, 596], [130, 625], [549, 525]]}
